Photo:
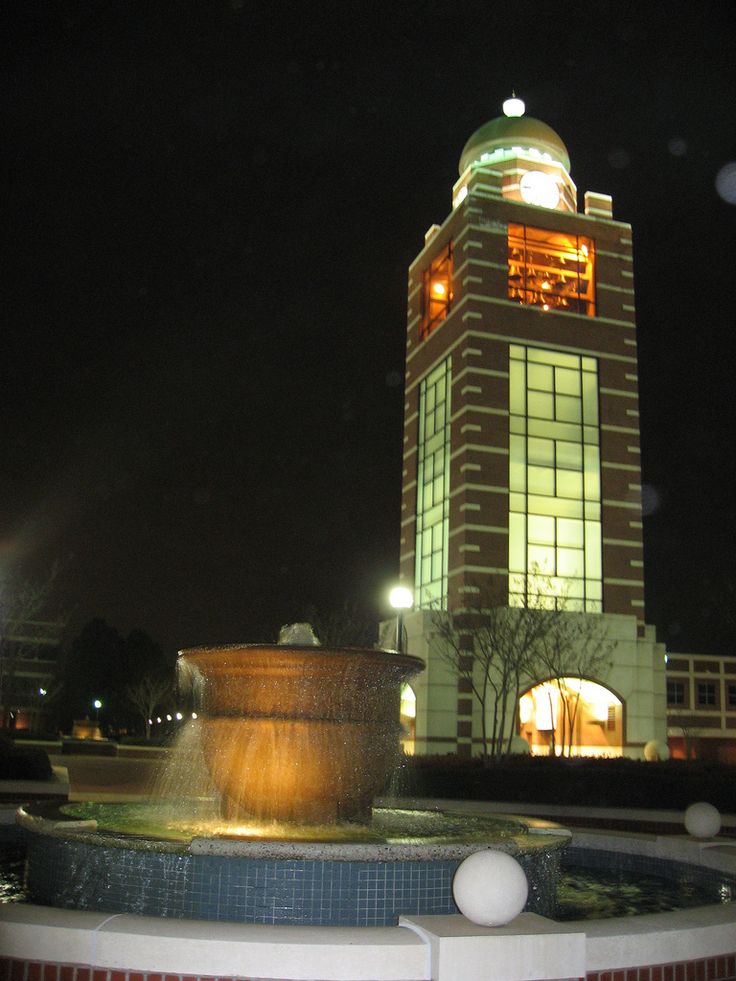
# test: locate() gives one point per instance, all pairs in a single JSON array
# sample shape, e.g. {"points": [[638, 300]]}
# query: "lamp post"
{"points": [[39, 711], [401, 598], [97, 706]]}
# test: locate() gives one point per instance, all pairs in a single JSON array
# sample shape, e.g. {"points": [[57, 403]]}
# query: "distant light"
{"points": [[194, 715], [97, 703], [439, 288], [41, 691], [514, 107], [158, 718], [150, 722], [168, 718], [179, 716], [401, 598], [726, 182], [677, 146]]}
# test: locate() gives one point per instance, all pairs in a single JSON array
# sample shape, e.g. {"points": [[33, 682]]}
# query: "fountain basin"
{"points": [[72, 864], [290, 733]]}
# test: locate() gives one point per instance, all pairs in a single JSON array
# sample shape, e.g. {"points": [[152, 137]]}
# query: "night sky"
{"points": [[210, 209]]}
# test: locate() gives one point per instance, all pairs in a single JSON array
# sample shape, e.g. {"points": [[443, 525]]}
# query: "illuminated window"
{"points": [[675, 692], [433, 488], [551, 270], [436, 292], [555, 543]]}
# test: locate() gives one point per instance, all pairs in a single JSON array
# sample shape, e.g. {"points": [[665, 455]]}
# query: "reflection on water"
{"points": [[598, 894], [12, 863]]}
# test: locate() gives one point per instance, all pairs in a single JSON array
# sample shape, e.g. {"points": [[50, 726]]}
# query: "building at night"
{"points": [[521, 467], [701, 707], [29, 664]]}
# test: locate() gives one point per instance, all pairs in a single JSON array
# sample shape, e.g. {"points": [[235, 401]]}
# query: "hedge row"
{"points": [[585, 782]]}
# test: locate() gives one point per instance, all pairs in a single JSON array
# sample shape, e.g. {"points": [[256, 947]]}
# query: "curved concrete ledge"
{"points": [[441, 948]]}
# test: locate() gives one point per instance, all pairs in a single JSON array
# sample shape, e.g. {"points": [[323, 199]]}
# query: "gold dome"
{"points": [[507, 131]]}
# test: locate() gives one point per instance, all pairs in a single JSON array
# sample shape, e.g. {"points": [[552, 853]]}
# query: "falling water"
{"points": [[288, 733]]}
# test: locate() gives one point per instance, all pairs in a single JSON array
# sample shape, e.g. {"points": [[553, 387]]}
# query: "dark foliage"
{"points": [[583, 782], [23, 762]]}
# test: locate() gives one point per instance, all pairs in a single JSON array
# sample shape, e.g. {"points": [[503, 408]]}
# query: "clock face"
{"points": [[539, 188]]}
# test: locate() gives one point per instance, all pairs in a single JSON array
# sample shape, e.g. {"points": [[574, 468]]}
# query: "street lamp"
{"points": [[97, 706], [401, 598]]}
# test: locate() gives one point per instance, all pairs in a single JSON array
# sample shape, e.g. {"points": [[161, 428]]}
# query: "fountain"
{"points": [[298, 733], [297, 741], [395, 874]]}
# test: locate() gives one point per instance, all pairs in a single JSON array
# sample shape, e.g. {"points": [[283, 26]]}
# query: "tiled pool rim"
{"points": [[62, 945], [266, 882]]}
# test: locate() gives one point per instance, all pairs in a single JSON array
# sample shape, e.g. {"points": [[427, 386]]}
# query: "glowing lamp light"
{"points": [[168, 718], [194, 715], [41, 691], [439, 288], [401, 598], [514, 106], [179, 716]]}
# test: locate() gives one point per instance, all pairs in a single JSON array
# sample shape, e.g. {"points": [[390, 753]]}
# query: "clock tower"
{"points": [[521, 472]]}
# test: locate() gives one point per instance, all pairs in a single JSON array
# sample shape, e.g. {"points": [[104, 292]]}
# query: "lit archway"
{"points": [[571, 717], [408, 719]]}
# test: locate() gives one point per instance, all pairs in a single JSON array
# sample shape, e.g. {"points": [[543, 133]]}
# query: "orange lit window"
{"points": [[436, 291], [552, 270]]}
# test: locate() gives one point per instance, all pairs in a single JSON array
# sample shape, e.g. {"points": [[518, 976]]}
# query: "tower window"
{"points": [[433, 488], [436, 292], [551, 270], [555, 543]]}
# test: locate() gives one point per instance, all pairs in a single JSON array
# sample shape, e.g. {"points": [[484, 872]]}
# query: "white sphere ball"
{"points": [[520, 746], [490, 888], [656, 750], [702, 820]]}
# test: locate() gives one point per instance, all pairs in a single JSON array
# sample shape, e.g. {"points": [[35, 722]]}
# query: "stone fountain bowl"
{"points": [[292, 733]]}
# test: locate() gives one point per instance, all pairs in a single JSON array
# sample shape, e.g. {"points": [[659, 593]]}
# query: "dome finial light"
{"points": [[513, 106]]}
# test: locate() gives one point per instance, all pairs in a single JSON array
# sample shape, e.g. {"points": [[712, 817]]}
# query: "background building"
{"points": [[29, 666], [701, 707], [521, 470]]}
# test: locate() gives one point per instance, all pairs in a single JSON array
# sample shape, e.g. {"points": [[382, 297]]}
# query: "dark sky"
{"points": [[209, 213]]}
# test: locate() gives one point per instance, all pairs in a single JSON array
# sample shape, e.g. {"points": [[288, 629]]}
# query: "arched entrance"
{"points": [[408, 719], [571, 717]]}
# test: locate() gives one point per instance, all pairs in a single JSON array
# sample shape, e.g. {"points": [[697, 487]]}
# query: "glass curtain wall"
{"points": [[433, 488], [554, 481]]}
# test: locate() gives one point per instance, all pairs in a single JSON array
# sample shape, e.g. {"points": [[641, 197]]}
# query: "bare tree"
{"points": [[494, 649], [150, 692], [26, 623], [575, 646], [350, 626]]}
